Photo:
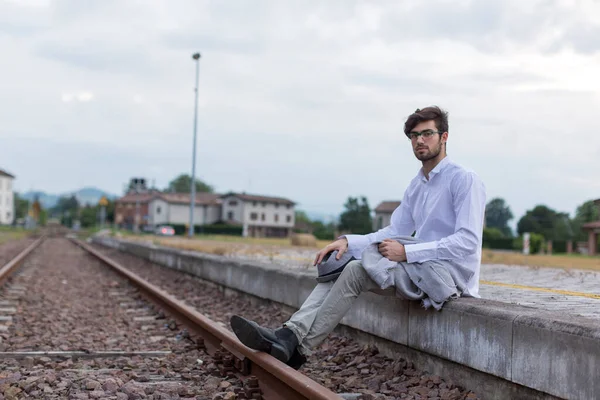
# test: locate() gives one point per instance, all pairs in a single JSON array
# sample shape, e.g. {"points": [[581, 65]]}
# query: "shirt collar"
{"points": [[438, 168]]}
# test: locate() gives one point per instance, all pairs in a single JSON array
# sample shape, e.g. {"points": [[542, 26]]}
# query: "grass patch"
{"points": [[9, 233], [220, 241], [224, 245], [565, 261]]}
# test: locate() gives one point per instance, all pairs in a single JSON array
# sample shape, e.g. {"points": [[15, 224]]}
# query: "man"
{"points": [[443, 206]]}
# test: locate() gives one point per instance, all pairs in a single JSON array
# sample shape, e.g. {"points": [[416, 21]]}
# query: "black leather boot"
{"points": [[281, 343], [297, 360]]}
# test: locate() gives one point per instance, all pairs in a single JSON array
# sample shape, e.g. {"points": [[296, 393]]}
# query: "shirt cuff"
{"points": [[421, 252], [356, 244]]}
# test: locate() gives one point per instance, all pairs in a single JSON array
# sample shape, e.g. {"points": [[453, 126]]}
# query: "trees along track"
{"points": [[267, 378]]}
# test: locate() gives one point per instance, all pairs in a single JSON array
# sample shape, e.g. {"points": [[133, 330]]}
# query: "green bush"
{"points": [[492, 234], [217, 229], [499, 244], [537, 243], [493, 238], [559, 246], [221, 229]]}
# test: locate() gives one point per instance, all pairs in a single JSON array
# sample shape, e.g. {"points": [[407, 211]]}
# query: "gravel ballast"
{"points": [[340, 363], [67, 301]]}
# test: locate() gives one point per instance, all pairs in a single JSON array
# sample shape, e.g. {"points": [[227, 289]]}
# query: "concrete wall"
{"points": [[159, 212], [270, 211], [233, 209], [244, 210], [180, 214], [381, 220], [7, 211], [548, 352]]}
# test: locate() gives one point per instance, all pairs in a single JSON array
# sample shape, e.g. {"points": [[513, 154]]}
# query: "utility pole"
{"points": [[196, 57]]}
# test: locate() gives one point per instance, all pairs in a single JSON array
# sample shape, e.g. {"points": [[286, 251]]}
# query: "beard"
{"points": [[430, 154]]}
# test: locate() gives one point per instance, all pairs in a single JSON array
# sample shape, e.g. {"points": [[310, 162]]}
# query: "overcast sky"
{"points": [[301, 99]]}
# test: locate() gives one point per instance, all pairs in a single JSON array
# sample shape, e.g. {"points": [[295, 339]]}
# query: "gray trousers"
{"points": [[328, 303]]}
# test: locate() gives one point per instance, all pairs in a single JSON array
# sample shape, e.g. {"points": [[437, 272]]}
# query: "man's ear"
{"points": [[445, 137]]}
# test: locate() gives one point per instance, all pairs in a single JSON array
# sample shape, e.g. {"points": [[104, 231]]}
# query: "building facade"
{"points": [[261, 216], [174, 209], [383, 214], [157, 208], [7, 207], [593, 230]]}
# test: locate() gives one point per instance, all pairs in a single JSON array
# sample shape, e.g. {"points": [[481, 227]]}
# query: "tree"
{"points": [[21, 206], [357, 216], [303, 224], [586, 212], [43, 217], [182, 184], [497, 215], [547, 222], [88, 216], [302, 217], [67, 209], [323, 231], [66, 203]]}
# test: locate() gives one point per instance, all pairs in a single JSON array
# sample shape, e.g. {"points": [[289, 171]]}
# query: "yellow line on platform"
{"points": [[541, 289]]}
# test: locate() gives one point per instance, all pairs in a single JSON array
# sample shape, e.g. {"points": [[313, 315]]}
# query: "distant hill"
{"points": [[87, 195]]}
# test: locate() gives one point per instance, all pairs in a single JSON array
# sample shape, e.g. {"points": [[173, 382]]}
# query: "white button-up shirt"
{"points": [[446, 211]]}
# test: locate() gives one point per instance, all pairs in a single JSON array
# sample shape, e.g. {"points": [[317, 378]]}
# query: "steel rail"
{"points": [[13, 264], [277, 380]]}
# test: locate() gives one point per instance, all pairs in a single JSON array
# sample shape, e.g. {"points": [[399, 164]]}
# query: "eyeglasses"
{"points": [[427, 133]]}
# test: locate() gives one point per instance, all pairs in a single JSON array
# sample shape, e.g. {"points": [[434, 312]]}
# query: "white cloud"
{"points": [[67, 97], [312, 92], [82, 97]]}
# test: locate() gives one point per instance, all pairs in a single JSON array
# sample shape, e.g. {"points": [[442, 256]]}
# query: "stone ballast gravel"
{"points": [[10, 249], [340, 363], [66, 305]]}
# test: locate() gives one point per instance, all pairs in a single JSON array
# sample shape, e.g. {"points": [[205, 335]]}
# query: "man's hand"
{"points": [[392, 250], [341, 245]]}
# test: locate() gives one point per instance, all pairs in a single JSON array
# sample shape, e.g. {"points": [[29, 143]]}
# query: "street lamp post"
{"points": [[196, 57]]}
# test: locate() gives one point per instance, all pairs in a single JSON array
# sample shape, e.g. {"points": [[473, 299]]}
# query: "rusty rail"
{"points": [[275, 379], [13, 264]]}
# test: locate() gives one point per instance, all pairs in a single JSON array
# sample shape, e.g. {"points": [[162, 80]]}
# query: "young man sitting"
{"points": [[431, 251]]}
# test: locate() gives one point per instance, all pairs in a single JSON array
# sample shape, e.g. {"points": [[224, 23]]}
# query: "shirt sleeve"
{"points": [[469, 199], [401, 223]]}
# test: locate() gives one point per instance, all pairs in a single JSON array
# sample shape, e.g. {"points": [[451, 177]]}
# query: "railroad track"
{"points": [[243, 373]]}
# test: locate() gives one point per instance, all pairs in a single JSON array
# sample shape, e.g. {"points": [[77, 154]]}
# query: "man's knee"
{"points": [[355, 272]]}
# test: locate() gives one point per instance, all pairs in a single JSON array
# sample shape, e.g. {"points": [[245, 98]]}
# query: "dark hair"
{"points": [[439, 116]]}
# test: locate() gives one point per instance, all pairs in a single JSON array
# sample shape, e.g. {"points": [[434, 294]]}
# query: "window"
{"points": [[264, 203], [158, 210], [254, 203], [288, 206], [262, 217], [276, 218], [254, 216], [233, 203], [230, 216], [380, 222], [276, 205], [288, 218]]}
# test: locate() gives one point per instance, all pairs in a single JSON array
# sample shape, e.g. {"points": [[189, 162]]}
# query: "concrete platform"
{"points": [[575, 292], [514, 351]]}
